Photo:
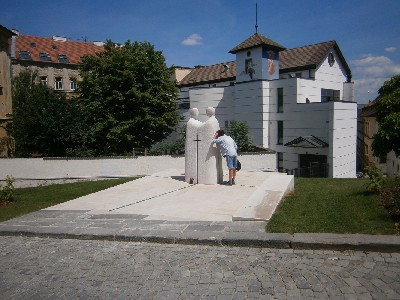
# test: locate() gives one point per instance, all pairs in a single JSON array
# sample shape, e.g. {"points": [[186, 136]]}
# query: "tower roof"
{"points": [[257, 40]]}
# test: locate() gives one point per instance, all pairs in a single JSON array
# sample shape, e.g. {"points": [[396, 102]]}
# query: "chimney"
{"points": [[98, 43], [13, 46], [59, 38]]}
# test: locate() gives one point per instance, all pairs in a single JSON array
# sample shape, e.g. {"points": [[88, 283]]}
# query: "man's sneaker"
{"points": [[233, 182]]}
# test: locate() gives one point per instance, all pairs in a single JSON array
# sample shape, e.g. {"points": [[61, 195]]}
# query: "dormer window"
{"points": [[24, 55], [44, 56], [62, 58]]}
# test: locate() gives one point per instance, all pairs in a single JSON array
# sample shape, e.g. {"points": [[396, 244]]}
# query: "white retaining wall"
{"points": [[47, 168]]}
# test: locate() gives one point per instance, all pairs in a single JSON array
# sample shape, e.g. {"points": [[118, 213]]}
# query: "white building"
{"points": [[298, 102]]}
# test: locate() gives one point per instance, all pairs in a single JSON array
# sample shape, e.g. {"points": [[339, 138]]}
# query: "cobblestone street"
{"points": [[41, 268]]}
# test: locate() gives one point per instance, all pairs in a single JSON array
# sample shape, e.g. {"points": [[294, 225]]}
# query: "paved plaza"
{"points": [[166, 196], [46, 268], [161, 238]]}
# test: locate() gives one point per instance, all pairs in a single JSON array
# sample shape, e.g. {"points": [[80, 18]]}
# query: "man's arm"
{"points": [[215, 138]]}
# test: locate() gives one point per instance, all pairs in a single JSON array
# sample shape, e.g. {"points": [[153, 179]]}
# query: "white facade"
{"points": [[392, 165], [305, 111]]}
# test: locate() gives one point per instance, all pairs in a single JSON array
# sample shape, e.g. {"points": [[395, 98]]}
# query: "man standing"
{"points": [[228, 148]]}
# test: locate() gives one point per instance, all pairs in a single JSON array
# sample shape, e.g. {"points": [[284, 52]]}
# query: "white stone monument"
{"points": [[203, 163], [191, 149]]}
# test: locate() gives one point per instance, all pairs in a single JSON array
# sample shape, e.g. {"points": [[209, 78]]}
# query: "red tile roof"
{"points": [[72, 49], [290, 60], [210, 74], [370, 109], [307, 56]]}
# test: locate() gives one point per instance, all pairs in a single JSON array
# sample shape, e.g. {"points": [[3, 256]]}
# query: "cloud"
{"points": [[369, 73], [366, 89], [376, 66], [390, 49], [193, 40]]}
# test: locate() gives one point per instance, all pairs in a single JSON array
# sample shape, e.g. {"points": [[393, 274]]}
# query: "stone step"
{"points": [[261, 205]]}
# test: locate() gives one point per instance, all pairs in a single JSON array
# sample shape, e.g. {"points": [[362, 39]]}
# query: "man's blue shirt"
{"points": [[227, 145]]}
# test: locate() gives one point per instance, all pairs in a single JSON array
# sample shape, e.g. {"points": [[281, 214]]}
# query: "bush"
{"points": [[171, 147], [376, 178], [389, 197], [7, 191]]}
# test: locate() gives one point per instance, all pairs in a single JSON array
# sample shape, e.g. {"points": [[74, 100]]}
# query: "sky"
{"points": [[201, 32]]}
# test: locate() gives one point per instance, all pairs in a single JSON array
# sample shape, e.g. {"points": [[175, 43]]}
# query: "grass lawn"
{"points": [[35, 198], [330, 205]]}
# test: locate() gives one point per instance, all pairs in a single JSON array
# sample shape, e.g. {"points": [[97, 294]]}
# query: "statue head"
{"points": [[210, 111], [194, 113]]}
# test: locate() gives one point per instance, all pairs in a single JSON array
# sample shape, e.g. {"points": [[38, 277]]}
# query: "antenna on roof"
{"points": [[256, 19]]}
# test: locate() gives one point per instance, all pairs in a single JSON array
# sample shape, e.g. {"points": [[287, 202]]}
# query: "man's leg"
{"points": [[231, 175], [234, 170]]}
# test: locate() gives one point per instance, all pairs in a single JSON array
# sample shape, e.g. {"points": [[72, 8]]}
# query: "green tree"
{"points": [[240, 132], [127, 97], [43, 121], [388, 117]]}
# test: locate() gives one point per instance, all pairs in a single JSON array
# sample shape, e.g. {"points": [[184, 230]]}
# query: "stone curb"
{"points": [[298, 241], [123, 227], [359, 242]]}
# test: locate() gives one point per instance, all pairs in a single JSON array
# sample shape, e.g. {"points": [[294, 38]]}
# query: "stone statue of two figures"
{"points": [[203, 162]]}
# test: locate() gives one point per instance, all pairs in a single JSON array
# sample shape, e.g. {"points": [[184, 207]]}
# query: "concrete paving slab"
{"points": [[166, 196], [126, 194], [262, 203]]}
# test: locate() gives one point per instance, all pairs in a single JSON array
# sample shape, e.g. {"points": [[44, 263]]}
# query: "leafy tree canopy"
{"points": [[388, 116], [127, 97], [240, 132], [44, 121]]}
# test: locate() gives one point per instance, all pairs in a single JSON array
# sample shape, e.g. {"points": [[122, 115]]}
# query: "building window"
{"points": [[44, 56], [330, 95], [367, 129], [279, 156], [62, 58], [24, 55], [184, 104], [58, 83], [43, 80], [280, 133], [280, 100], [72, 85]]}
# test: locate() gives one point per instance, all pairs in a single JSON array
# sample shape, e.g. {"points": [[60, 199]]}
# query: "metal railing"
{"points": [[139, 152], [317, 170]]}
